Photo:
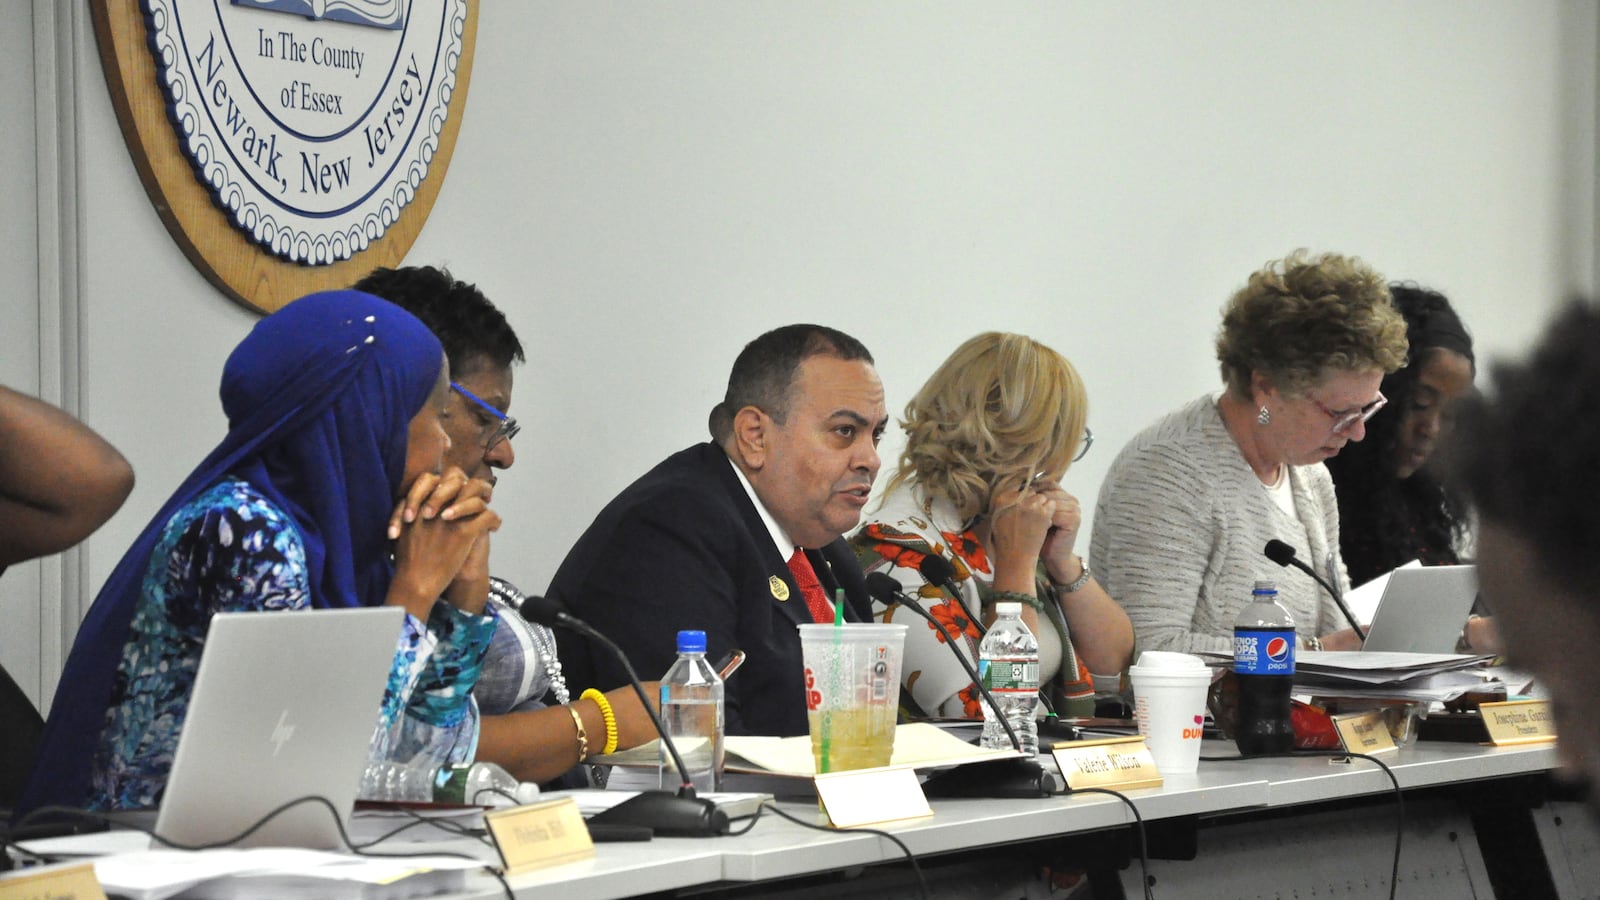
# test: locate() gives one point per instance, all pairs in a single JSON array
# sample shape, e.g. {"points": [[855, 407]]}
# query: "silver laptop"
{"points": [[284, 706], [1422, 609]]}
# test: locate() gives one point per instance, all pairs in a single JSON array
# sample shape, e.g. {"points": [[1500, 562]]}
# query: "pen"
{"points": [[730, 663]]}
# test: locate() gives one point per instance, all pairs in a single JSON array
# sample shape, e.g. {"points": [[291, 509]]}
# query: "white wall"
{"points": [[645, 187], [20, 590]]}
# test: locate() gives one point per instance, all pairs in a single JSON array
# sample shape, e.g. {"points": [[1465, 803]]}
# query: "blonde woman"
{"points": [[988, 440]]}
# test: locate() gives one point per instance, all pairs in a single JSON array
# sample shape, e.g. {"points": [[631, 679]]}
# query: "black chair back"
{"points": [[20, 729]]}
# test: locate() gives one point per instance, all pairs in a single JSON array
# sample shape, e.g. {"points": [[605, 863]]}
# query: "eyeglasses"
{"points": [[504, 431], [1088, 441], [1344, 421]]}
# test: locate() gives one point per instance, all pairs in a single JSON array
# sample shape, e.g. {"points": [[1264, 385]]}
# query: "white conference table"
{"points": [[776, 849]]}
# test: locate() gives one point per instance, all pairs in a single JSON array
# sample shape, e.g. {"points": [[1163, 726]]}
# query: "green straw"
{"points": [[827, 720]]}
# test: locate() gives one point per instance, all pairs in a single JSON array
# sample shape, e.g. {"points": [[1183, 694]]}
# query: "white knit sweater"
{"points": [[1180, 527]]}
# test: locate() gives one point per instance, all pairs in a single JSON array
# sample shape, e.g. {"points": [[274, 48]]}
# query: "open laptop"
{"points": [[284, 706], [1422, 609]]}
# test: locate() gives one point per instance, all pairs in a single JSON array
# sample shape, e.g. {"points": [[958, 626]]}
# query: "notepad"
{"points": [[735, 804], [275, 872], [916, 744]]}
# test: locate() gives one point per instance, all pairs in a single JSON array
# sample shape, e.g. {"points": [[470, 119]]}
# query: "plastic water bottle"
{"points": [[476, 784], [1263, 661], [479, 784], [691, 711], [1008, 663], [386, 779]]}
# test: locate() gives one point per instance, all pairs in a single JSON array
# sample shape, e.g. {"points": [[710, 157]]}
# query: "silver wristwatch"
{"points": [[1077, 583]]}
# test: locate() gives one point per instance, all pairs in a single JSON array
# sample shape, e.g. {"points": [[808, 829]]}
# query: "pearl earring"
{"points": [[1264, 417]]}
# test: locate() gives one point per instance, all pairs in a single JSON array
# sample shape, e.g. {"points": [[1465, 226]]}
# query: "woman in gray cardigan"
{"points": [[1191, 502]]}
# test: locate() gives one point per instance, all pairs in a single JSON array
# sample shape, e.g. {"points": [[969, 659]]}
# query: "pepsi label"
{"points": [[1263, 652]]}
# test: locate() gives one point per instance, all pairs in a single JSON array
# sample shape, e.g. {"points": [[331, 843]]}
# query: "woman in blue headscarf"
{"points": [[327, 491]]}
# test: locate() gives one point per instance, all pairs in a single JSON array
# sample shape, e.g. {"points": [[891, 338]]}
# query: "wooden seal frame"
{"points": [[247, 272]]}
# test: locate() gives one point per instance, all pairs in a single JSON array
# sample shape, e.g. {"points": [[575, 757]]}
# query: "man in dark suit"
{"points": [[739, 537]]}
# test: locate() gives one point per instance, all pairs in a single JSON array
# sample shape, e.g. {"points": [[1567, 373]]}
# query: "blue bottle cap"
{"points": [[691, 642]]}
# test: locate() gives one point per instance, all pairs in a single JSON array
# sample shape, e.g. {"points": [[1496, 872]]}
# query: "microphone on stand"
{"points": [[886, 590], [681, 814], [937, 571], [1284, 555], [1019, 778]]}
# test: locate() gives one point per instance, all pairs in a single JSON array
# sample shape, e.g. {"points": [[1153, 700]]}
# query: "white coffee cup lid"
{"points": [[1165, 659]]}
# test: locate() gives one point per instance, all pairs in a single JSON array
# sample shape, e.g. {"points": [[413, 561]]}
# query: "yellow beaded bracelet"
{"points": [[605, 713], [583, 736]]}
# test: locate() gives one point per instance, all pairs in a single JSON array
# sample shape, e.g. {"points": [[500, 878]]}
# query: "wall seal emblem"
{"points": [[318, 130]]}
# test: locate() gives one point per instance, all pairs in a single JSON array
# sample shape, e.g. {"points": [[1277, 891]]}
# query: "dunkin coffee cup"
{"points": [[1169, 691]]}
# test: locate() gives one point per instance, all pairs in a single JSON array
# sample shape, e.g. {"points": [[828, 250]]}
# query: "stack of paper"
{"points": [[919, 744], [1388, 675], [273, 872], [1363, 600], [735, 804], [1397, 676]]}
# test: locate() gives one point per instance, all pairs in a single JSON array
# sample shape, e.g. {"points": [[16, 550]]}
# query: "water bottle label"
{"points": [[1003, 674], [1263, 652], [452, 785]]}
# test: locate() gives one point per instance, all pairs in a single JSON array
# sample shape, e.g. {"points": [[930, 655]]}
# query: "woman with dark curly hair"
{"points": [[1190, 503], [988, 440], [1392, 507]]}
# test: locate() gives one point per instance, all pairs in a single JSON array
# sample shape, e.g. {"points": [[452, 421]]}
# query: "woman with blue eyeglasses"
{"points": [[988, 440], [529, 722], [1188, 507]]}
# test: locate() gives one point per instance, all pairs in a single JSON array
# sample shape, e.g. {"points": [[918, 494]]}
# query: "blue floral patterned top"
{"points": [[231, 550]]}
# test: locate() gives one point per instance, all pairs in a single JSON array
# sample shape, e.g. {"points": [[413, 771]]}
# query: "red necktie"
{"points": [[806, 577]]}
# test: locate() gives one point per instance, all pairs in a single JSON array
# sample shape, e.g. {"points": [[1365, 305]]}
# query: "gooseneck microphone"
{"points": [[1284, 555], [886, 590], [681, 814], [1008, 778], [937, 571]]}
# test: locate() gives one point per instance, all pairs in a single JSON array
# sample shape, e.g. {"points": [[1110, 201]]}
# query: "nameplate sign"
{"points": [[69, 882], [539, 834], [1364, 732], [1518, 722], [1119, 762], [872, 796]]}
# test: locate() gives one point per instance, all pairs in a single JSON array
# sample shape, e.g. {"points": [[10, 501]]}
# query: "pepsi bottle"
{"points": [[1263, 661]]}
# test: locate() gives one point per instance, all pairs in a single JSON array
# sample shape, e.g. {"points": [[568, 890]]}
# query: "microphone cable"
{"points": [[886, 590], [1138, 820], [344, 835], [754, 818], [938, 571], [1284, 555], [922, 884], [1334, 755], [922, 881]]}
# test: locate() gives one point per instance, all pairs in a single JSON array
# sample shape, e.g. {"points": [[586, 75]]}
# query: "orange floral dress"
{"points": [[896, 538]]}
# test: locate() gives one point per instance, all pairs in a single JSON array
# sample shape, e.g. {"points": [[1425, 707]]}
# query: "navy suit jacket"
{"points": [[685, 548]]}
